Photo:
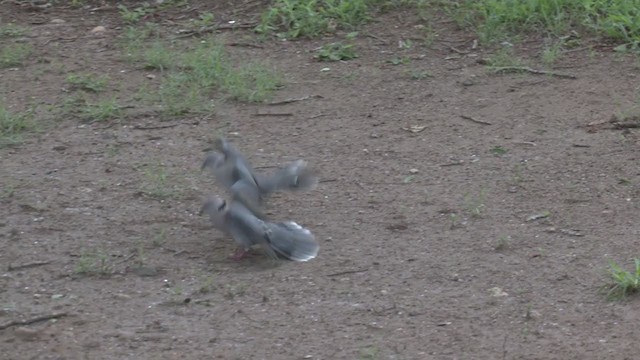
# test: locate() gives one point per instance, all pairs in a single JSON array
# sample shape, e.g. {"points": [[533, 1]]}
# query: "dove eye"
{"points": [[221, 207]]}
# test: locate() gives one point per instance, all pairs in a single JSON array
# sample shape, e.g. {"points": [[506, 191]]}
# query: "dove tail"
{"points": [[291, 241]]}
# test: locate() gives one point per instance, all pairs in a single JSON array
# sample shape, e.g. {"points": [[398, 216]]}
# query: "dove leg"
{"points": [[240, 254]]}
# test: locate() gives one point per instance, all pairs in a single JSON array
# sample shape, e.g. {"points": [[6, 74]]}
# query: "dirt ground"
{"points": [[461, 215]]}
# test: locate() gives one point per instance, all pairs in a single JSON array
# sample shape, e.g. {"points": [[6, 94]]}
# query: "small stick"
{"points": [[626, 125], [457, 50], [375, 37], [28, 265], [139, 127], [273, 114], [348, 272], [475, 120], [245, 45], [460, 162], [32, 320], [289, 101], [127, 258], [317, 116], [532, 71]]}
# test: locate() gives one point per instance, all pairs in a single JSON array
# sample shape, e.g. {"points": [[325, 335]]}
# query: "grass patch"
{"points": [[497, 20], [14, 55], [475, 205], [133, 15], [195, 72], [504, 57], [13, 126], [312, 18], [94, 263], [337, 51], [624, 282], [12, 30], [87, 82], [158, 57], [156, 184], [133, 40], [205, 72], [102, 111]]}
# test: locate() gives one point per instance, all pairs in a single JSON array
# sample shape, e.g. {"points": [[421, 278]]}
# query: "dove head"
{"points": [[214, 161], [214, 206], [221, 145]]}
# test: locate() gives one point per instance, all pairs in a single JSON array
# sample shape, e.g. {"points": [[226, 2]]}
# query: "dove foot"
{"points": [[239, 254]]}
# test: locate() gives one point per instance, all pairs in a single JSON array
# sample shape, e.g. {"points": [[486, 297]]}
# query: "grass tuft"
{"points": [[13, 126], [87, 82], [624, 282], [312, 18], [14, 55], [498, 20]]}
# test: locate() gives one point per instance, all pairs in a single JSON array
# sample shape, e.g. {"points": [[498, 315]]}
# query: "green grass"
{"points": [[87, 82], [497, 20], [504, 57], [12, 30], [133, 15], [250, 83], [133, 40], [503, 243], [156, 182], [194, 72], [205, 72], [552, 52], [94, 263], [14, 55], [475, 205], [158, 57], [312, 18], [13, 126], [624, 282], [498, 150], [103, 110], [337, 51]]}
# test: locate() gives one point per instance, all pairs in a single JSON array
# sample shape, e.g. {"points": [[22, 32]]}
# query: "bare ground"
{"points": [[428, 249]]}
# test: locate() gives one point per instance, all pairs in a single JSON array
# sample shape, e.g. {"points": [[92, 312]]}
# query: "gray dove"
{"points": [[233, 171], [281, 240]]}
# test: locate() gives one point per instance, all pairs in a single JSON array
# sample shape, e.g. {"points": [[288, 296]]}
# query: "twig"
{"points": [[475, 120], [28, 265], [32, 320], [459, 162], [626, 125], [530, 143], [210, 29], [127, 258], [457, 50], [327, 180], [504, 347], [245, 45], [507, 69], [377, 38], [348, 272], [288, 101], [317, 116], [236, 26], [273, 114], [139, 127]]}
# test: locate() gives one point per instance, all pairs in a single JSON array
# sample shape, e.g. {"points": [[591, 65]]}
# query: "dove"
{"points": [[281, 240], [232, 170]]}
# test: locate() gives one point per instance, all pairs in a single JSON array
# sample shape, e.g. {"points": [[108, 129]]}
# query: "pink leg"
{"points": [[240, 254]]}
